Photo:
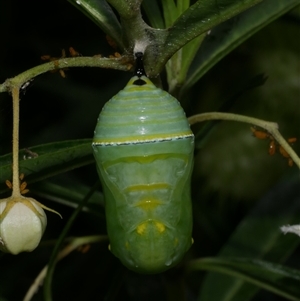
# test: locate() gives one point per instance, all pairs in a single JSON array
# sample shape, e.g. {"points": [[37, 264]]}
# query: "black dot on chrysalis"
{"points": [[139, 69]]}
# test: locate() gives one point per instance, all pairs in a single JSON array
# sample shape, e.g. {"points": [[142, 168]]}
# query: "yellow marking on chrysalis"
{"points": [[108, 247], [140, 229], [148, 204], [160, 227], [192, 240], [145, 159], [176, 241], [127, 245], [147, 187]]}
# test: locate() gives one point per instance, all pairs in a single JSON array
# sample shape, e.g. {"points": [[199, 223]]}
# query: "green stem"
{"points": [[60, 240], [123, 63], [73, 244], [271, 127], [15, 143]]}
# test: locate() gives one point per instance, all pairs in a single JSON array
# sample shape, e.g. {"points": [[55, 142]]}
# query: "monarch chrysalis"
{"points": [[143, 148]]}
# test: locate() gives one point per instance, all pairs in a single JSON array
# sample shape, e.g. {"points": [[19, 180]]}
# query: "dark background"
{"points": [[233, 170]]}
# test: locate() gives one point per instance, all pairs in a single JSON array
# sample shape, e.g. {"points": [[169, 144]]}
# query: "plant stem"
{"points": [[60, 240], [73, 245], [232, 117], [15, 143], [123, 63], [271, 127]]}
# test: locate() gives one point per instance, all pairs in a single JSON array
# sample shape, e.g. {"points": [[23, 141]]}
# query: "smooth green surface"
{"points": [[143, 148], [147, 201]]}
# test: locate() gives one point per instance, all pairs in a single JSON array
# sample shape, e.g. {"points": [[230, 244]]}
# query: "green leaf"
{"points": [[183, 5], [70, 195], [177, 67], [60, 240], [196, 20], [276, 278], [226, 37], [47, 160], [204, 15], [153, 13], [170, 12], [101, 14], [259, 237], [188, 53]]}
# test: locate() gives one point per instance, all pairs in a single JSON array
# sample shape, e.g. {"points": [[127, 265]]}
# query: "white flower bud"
{"points": [[22, 224]]}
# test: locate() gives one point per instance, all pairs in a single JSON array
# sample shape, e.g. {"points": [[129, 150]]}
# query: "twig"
{"points": [[271, 127], [122, 63], [15, 144], [73, 245]]}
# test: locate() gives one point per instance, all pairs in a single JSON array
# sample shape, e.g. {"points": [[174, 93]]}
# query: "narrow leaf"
{"points": [[170, 12], [182, 5], [153, 13], [258, 237], [198, 19], [53, 259], [102, 15], [70, 195], [46, 160], [276, 278], [227, 36]]}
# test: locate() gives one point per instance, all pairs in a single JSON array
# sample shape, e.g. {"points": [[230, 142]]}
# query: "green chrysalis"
{"points": [[143, 148]]}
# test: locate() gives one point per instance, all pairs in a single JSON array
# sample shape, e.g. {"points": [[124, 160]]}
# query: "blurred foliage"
{"points": [[241, 195]]}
